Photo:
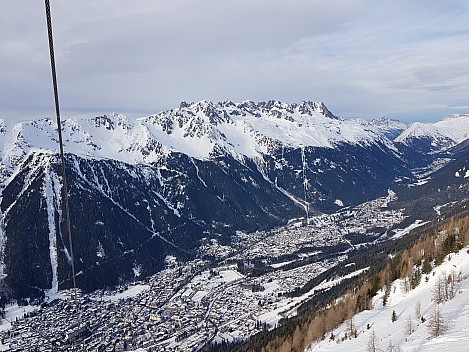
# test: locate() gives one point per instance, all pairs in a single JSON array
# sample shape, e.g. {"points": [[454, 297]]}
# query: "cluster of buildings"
{"points": [[190, 304]]}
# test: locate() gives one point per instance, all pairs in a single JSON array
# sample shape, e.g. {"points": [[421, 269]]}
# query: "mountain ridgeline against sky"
{"points": [[142, 189]]}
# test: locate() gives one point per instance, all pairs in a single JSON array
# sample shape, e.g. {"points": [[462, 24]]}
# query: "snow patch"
{"points": [[131, 291], [339, 202], [405, 231], [51, 191]]}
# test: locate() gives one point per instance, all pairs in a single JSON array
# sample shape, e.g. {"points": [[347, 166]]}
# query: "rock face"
{"points": [[146, 188]]}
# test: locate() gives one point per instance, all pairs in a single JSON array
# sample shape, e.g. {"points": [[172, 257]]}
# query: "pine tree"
{"points": [[426, 266], [393, 316]]}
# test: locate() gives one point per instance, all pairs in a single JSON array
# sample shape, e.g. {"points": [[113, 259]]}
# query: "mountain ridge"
{"points": [[200, 129], [201, 126]]}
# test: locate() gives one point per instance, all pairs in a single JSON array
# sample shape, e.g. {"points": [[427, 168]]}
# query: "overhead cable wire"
{"points": [[59, 129]]}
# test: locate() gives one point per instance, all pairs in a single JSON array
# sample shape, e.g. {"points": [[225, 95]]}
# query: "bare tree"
{"points": [[418, 310], [436, 325], [409, 326], [393, 348], [453, 281], [446, 287], [351, 330], [447, 284], [439, 289], [372, 342]]}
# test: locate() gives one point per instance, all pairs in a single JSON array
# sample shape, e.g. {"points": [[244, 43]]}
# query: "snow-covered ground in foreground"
{"points": [[455, 314]]}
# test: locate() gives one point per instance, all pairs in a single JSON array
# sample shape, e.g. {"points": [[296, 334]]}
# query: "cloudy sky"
{"points": [[370, 58]]}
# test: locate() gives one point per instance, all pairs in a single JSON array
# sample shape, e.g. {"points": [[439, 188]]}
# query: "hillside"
{"points": [[408, 332], [438, 189]]}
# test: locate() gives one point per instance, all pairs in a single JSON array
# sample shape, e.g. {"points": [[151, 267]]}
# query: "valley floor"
{"points": [[189, 304]]}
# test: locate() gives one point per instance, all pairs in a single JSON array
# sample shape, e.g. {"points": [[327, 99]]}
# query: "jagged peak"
{"points": [[220, 112], [203, 104], [184, 104], [247, 105], [321, 108], [227, 103]]}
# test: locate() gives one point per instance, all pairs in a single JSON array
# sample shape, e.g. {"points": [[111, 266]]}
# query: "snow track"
{"points": [[51, 193]]}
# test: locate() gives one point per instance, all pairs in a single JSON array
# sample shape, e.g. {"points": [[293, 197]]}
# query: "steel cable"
{"points": [[59, 128]]}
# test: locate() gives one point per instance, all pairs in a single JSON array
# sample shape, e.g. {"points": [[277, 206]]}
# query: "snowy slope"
{"points": [[455, 126], [454, 314]]}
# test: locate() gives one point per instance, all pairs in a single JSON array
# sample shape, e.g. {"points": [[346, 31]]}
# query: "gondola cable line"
{"points": [[62, 157]]}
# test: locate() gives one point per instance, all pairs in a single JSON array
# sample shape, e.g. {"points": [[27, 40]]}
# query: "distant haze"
{"points": [[397, 58]]}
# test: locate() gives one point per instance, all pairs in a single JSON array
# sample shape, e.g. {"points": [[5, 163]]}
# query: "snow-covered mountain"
{"points": [[434, 137], [143, 188], [199, 130]]}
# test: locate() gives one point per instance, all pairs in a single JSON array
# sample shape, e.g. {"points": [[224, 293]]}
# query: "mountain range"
{"points": [[141, 189]]}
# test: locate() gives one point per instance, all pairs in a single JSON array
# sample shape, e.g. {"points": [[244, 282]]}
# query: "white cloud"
{"points": [[363, 57]]}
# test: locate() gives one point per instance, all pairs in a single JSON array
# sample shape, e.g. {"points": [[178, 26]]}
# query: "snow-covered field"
{"points": [[394, 336], [11, 314]]}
